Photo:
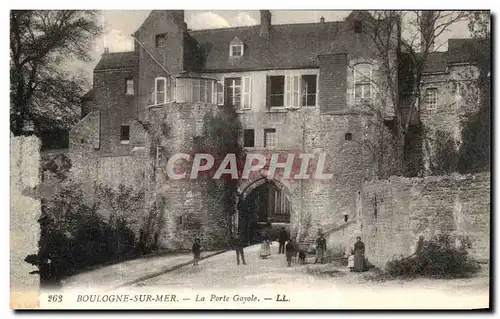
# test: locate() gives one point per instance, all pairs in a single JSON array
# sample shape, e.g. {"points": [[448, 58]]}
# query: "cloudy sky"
{"points": [[119, 24]]}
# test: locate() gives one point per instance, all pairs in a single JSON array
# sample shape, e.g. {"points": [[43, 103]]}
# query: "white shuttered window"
{"points": [[292, 91], [246, 93]]}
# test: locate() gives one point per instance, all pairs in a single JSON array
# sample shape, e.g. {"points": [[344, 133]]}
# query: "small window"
{"points": [[129, 89], [431, 99], [358, 26], [160, 91], [363, 81], [348, 136], [249, 138], [236, 50], [161, 40], [270, 137], [309, 89], [180, 220], [125, 134], [277, 90]]}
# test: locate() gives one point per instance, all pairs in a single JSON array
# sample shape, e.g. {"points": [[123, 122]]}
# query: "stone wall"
{"points": [[397, 211], [24, 213]]}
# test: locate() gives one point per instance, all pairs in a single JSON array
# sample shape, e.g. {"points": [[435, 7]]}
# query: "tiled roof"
{"points": [[288, 46], [117, 60], [459, 51]]}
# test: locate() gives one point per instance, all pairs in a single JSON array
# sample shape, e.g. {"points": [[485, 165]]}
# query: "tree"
{"points": [[42, 93], [403, 41], [474, 154]]}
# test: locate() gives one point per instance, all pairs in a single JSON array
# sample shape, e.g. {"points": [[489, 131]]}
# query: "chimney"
{"points": [[265, 23], [426, 29], [106, 50], [178, 16], [322, 20]]}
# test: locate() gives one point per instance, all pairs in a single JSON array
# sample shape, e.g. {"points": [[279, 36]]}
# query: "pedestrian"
{"points": [[196, 251], [350, 261], [238, 246], [265, 247], [290, 251], [296, 250], [283, 237], [359, 255], [320, 248]]}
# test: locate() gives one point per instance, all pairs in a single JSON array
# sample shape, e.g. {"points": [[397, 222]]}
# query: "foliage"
{"points": [[75, 236], [41, 42], [221, 137], [383, 30], [437, 258], [59, 165]]}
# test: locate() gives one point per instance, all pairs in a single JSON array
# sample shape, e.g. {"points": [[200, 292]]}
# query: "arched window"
{"points": [[363, 81]]}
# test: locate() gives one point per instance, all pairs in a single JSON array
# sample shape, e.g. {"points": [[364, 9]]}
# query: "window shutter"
{"points": [[220, 93], [295, 86], [246, 93], [288, 90], [268, 92]]}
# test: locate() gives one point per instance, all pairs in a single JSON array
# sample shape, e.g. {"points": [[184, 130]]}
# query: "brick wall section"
{"points": [[409, 208], [333, 82], [85, 135], [187, 208], [116, 108]]}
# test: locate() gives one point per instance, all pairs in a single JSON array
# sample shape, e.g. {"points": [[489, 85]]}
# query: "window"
{"points": [[308, 90], [270, 137], [363, 81], [236, 50], [233, 91], [358, 26], [249, 138], [431, 98], [129, 86], [348, 136], [125, 134], [277, 90], [246, 93], [219, 93], [161, 40], [194, 90], [160, 91]]}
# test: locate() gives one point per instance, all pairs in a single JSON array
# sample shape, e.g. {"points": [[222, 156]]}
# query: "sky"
{"points": [[119, 24]]}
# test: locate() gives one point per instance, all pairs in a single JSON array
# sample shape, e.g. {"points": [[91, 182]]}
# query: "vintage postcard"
{"points": [[177, 159]]}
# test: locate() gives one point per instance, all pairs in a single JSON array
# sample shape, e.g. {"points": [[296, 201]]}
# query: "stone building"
{"points": [[296, 88]]}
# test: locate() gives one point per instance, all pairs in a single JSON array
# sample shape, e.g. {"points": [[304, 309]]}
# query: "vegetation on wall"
{"points": [[75, 235], [221, 137], [438, 257]]}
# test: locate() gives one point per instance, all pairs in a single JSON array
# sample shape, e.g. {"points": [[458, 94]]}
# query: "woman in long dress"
{"points": [[359, 255], [265, 247]]}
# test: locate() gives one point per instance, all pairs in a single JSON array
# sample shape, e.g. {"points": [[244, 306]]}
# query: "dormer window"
{"points": [[236, 48], [358, 26]]}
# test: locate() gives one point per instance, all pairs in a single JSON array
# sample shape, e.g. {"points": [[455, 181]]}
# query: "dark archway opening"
{"points": [[263, 211]]}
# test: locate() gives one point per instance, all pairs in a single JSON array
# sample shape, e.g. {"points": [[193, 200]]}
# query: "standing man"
{"points": [[290, 250], [320, 248], [238, 247], [283, 238]]}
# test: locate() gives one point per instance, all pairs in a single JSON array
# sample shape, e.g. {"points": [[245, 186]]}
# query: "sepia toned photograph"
{"points": [[250, 159]]}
